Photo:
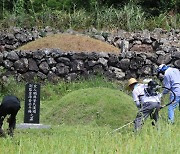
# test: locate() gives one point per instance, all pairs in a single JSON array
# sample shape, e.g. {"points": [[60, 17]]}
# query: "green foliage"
{"points": [[19, 7], [155, 8], [89, 139], [79, 15], [66, 5], [9, 86], [163, 21], [52, 91], [101, 106], [5, 5], [133, 17], [99, 99]]}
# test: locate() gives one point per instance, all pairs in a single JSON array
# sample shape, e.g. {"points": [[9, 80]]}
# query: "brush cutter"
{"points": [[122, 126], [163, 106], [174, 98]]}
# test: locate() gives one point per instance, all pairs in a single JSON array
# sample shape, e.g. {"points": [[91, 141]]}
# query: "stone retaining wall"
{"points": [[140, 54], [52, 64]]}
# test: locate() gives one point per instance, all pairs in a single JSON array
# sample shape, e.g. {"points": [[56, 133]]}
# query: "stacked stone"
{"points": [[140, 54], [52, 64]]}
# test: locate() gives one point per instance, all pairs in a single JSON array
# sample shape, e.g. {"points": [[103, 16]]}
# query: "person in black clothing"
{"points": [[10, 106]]}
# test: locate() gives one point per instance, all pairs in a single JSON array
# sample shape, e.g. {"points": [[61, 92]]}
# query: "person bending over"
{"points": [[10, 106], [147, 101]]}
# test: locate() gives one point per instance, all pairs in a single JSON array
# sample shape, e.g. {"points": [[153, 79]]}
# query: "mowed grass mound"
{"points": [[101, 106], [68, 42]]}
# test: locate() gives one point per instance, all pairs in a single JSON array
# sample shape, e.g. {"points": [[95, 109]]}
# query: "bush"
{"points": [[73, 14]]}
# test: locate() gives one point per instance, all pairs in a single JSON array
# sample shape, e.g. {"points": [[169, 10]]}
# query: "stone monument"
{"points": [[32, 107]]}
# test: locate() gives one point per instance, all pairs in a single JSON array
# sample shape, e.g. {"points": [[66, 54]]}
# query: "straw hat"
{"points": [[132, 81]]}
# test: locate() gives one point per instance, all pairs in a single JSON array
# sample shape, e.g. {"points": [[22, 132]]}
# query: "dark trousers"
{"points": [[148, 109], [10, 106]]}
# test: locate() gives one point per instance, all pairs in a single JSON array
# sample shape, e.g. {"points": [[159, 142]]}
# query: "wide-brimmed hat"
{"points": [[132, 81]]}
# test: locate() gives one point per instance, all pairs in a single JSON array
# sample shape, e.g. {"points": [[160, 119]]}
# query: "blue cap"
{"points": [[162, 68]]}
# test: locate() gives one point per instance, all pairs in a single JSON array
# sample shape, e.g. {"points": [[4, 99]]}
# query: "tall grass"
{"points": [[129, 17], [88, 139], [60, 89], [51, 90]]}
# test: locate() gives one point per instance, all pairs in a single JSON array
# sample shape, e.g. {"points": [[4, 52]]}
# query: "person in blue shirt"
{"points": [[171, 80], [10, 106]]}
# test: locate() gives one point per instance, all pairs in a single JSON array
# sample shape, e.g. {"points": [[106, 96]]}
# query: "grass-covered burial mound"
{"points": [[101, 106], [68, 42]]}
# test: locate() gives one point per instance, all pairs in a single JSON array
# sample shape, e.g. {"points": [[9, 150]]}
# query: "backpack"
{"points": [[151, 89]]}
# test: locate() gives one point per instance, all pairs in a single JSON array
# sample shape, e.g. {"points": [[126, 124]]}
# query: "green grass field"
{"points": [[71, 110], [90, 139]]}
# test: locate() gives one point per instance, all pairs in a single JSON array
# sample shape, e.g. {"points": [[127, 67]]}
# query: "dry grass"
{"points": [[68, 42]]}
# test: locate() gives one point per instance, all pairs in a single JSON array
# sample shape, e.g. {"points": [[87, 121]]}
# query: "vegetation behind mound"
{"points": [[101, 106], [129, 15], [68, 42]]}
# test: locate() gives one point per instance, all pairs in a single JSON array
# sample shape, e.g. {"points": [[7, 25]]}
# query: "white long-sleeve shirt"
{"points": [[140, 97]]}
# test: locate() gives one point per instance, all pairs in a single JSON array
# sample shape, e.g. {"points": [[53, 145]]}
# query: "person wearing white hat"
{"points": [[147, 104], [171, 80]]}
